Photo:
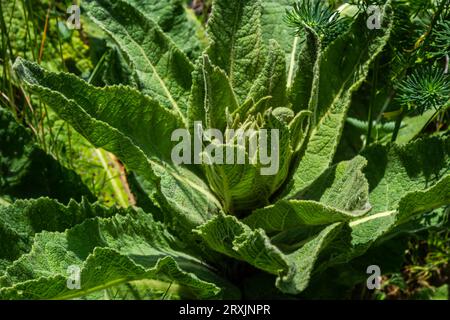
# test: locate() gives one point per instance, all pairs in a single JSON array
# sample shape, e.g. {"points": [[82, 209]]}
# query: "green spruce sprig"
{"points": [[314, 14], [425, 89], [441, 43]]}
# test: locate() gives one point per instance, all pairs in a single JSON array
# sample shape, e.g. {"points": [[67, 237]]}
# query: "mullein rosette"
{"points": [[196, 225]]}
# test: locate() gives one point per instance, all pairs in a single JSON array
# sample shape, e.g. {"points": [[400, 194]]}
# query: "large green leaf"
{"points": [[420, 201], [303, 260], [229, 236], [108, 252], [272, 15], [211, 96], [300, 92], [20, 221], [388, 254], [177, 21], [354, 240], [291, 214], [236, 44], [163, 71], [342, 186], [394, 171], [123, 121], [378, 227], [188, 201], [337, 77], [271, 82], [26, 171], [340, 194], [142, 119], [419, 185], [436, 220]]}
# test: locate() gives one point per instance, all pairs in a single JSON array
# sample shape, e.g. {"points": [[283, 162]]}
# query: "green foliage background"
{"points": [[365, 153]]}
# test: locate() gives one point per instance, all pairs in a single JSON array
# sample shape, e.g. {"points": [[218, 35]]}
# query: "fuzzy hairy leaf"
{"points": [[271, 82], [413, 193], [394, 171], [375, 228], [291, 214], [335, 80], [435, 220], [337, 243], [20, 221], [229, 236], [389, 256], [123, 121], [302, 84], [299, 129], [162, 70], [109, 252], [303, 260], [416, 202], [211, 96], [295, 225], [273, 12], [122, 110], [177, 21], [343, 186], [236, 43], [340, 194]]}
